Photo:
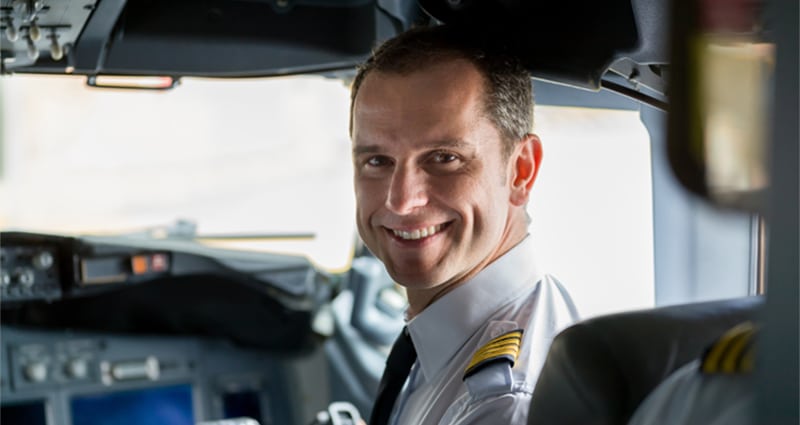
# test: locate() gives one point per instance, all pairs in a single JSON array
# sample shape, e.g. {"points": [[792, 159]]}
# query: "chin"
{"points": [[417, 281]]}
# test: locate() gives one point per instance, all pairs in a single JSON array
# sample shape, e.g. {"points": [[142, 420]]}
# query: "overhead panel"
{"points": [[41, 31]]}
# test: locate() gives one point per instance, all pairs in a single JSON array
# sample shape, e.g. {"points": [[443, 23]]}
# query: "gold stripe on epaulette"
{"points": [[505, 346], [732, 352]]}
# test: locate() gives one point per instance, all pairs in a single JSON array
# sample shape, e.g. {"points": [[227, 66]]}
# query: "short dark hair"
{"points": [[508, 86]]}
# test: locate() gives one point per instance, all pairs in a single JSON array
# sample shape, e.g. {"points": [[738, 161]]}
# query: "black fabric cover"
{"points": [[597, 372], [200, 306]]}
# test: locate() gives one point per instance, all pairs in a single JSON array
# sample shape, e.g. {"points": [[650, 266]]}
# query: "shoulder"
{"points": [[491, 369], [514, 343], [715, 389], [691, 397], [732, 353]]}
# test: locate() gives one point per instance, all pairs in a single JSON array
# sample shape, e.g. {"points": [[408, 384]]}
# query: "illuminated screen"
{"points": [[23, 413], [154, 406]]}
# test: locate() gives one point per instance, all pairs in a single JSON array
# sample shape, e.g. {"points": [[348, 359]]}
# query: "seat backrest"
{"points": [[599, 371]]}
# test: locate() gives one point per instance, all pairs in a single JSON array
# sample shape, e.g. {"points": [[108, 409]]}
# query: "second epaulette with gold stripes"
{"points": [[732, 353], [502, 348]]}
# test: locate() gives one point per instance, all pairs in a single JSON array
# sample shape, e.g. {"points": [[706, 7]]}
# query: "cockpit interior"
{"points": [[156, 327]]}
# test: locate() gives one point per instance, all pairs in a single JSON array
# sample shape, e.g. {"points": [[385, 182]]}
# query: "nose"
{"points": [[407, 190]]}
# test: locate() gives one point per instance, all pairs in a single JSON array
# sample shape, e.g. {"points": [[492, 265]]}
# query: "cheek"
{"points": [[369, 197], [488, 201], [469, 197]]}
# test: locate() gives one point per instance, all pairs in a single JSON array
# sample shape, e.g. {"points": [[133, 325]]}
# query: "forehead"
{"points": [[440, 98], [446, 76]]}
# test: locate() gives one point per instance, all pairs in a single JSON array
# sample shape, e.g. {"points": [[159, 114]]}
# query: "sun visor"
{"points": [[237, 38], [221, 38]]}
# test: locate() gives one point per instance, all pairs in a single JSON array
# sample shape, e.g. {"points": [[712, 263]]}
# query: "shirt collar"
{"points": [[442, 328]]}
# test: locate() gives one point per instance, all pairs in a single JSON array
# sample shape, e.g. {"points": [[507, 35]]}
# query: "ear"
{"points": [[525, 166]]}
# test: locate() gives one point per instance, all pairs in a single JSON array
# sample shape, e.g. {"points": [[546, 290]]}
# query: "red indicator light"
{"points": [[159, 262]]}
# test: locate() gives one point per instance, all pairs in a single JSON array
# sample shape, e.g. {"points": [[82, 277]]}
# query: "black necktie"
{"points": [[398, 365]]}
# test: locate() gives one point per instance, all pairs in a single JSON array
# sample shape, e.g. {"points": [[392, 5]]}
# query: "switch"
{"points": [[12, 32], [34, 31], [33, 50]]}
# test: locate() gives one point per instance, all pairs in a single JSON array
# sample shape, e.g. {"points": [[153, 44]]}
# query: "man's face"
{"points": [[432, 185]]}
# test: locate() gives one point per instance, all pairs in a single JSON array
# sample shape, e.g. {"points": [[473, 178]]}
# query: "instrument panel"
{"points": [[54, 378], [29, 272], [51, 267], [100, 330]]}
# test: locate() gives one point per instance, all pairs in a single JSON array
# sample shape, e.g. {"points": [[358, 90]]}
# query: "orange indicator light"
{"points": [[139, 264]]}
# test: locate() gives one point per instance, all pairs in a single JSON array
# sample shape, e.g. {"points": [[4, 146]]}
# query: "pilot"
{"points": [[444, 161], [714, 390]]}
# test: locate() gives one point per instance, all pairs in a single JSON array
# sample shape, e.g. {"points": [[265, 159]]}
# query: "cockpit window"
{"points": [[592, 207], [235, 157]]}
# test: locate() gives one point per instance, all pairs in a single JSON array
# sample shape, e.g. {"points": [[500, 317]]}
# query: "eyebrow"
{"points": [[362, 149], [442, 144]]}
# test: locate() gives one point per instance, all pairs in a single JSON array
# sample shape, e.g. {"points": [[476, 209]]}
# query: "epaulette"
{"points": [[732, 353], [502, 348]]}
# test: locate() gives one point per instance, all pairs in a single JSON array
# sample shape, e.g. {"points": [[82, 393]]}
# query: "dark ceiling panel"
{"points": [[570, 42], [229, 38]]}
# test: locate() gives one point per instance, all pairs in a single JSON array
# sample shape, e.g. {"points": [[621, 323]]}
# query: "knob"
{"points": [[36, 372], [24, 276], [77, 369], [43, 260]]}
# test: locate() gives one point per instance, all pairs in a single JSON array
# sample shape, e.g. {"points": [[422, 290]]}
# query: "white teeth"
{"points": [[418, 233]]}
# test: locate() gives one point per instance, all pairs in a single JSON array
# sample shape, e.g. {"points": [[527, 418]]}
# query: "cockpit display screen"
{"points": [[29, 413], [157, 406]]}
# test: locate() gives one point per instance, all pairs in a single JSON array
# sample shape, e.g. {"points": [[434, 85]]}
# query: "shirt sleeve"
{"points": [[507, 408]]}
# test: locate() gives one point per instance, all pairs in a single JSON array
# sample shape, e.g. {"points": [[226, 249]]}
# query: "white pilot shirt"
{"points": [[689, 397], [509, 294]]}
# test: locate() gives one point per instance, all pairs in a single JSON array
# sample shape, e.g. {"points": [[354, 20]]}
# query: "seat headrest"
{"points": [[599, 371]]}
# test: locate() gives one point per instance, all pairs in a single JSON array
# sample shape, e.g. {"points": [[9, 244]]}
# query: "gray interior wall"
{"points": [[701, 252]]}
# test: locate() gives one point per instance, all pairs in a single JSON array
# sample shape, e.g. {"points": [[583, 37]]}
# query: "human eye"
{"points": [[371, 165], [443, 157], [377, 161]]}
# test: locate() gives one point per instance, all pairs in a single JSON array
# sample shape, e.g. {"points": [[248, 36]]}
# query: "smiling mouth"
{"points": [[416, 234]]}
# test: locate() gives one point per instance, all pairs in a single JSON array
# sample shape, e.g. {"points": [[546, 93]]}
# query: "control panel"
{"points": [[29, 272], [30, 27], [64, 377], [141, 326], [51, 267]]}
